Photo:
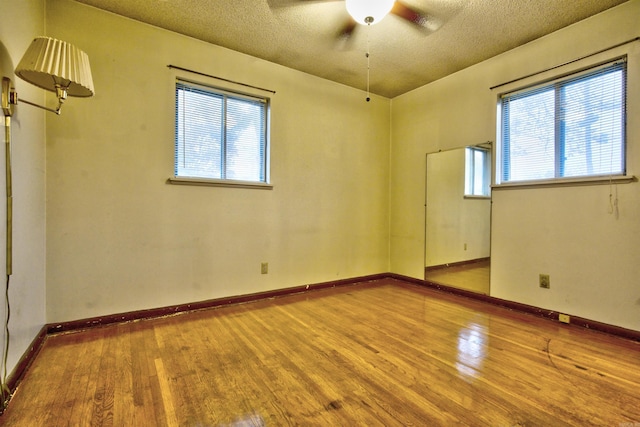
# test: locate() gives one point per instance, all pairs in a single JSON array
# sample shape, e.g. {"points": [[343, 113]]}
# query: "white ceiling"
{"points": [[301, 34]]}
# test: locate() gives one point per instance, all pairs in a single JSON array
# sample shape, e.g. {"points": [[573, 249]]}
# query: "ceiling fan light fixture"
{"points": [[369, 12]]}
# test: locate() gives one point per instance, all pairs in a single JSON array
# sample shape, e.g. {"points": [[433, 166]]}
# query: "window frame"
{"points": [[565, 79], [227, 93]]}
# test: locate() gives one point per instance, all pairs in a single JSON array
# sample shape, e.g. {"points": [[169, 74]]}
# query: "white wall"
{"points": [[120, 238], [590, 255], [21, 22]]}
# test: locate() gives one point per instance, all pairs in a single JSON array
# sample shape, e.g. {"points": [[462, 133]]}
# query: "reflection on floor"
{"points": [[472, 277]]}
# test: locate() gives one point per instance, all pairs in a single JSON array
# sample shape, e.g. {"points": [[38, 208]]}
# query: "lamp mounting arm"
{"points": [[56, 110], [10, 98]]}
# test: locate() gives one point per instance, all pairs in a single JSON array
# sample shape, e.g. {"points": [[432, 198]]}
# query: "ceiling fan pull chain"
{"points": [[367, 55]]}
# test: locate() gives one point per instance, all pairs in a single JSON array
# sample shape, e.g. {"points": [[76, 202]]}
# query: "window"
{"points": [[477, 172], [220, 135], [569, 128]]}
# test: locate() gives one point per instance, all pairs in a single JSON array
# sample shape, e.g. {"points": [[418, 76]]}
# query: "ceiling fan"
{"points": [[370, 12]]}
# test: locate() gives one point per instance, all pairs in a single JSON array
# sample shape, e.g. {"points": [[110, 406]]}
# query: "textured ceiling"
{"points": [[301, 34]]}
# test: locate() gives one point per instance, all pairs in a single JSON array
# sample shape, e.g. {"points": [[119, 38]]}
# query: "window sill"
{"points": [[219, 183], [471, 197], [570, 182]]}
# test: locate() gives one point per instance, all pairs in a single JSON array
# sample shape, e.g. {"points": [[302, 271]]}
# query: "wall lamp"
{"points": [[53, 65]]}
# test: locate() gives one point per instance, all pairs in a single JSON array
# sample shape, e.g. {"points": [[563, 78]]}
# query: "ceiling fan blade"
{"points": [[344, 37], [347, 29], [286, 3], [417, 18]]}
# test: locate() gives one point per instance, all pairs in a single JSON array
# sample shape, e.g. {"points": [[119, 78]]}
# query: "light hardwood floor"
{"points": [[379, 353]]}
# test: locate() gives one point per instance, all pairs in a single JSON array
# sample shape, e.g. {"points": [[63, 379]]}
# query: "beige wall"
{"points": [[590, 255], [21, 21], [120, 238]]}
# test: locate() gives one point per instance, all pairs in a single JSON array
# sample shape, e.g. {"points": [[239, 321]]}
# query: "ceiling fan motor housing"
{"points": [[369, 12]]}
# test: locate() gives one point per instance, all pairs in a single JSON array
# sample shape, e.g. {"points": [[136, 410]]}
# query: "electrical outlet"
{"points": [[545, 282], [564, 318], [264, 268]]}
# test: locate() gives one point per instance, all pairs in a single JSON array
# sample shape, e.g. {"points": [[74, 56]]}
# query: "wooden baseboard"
{"points": [[516, 306], [25, 361], [81, 324], [457, 264], [76, 325]]}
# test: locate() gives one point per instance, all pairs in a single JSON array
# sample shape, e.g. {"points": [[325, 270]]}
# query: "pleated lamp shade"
{"points": [[49, 62]]}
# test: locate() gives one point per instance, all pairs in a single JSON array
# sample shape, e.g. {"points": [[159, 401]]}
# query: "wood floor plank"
{"points": [[103, 398], [166, 394], [142, 374], [380, 353]]}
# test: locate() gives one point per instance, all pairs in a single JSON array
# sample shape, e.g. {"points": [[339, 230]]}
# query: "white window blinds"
{"points": [[220, 135], [571, 127]]}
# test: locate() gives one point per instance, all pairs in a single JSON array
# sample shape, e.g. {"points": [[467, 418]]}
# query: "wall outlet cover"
{"points": [[545, 281], [564, 318]]}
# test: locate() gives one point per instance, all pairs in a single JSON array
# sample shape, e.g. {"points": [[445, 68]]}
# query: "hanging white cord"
{"points": [[613, 199], [5, 392], [9, 240]]}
